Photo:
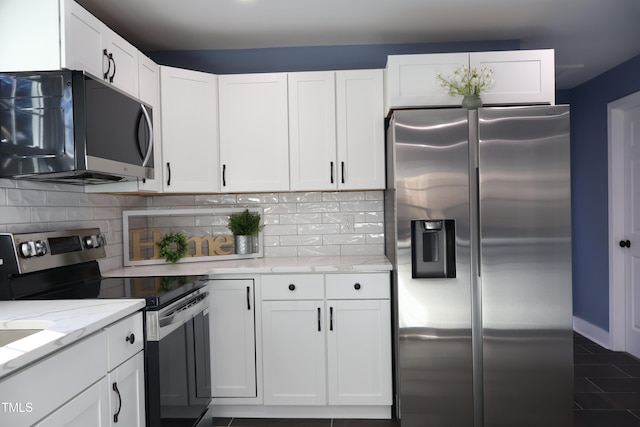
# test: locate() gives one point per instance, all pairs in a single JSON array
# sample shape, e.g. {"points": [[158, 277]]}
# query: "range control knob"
{"points": [[32, 248], [94, 241]]}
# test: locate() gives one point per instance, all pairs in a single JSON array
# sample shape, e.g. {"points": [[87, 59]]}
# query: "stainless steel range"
{"points": [[63, 265]]}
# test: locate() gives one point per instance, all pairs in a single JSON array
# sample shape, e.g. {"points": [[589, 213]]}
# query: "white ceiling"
{"points": [[589, 36]]}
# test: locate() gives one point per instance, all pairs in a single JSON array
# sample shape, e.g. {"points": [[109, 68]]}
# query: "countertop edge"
{"points": [[318, 264], [73, 320]]}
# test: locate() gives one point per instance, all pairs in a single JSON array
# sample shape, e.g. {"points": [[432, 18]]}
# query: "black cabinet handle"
{"points": [[319, 320], [224, 175], [114, 68], [331, 318], [292, 287], [117, 414], [331, 172], [130, 338], [106, 55], [248, 298], [357, 286], [168, 174], [342, 169], [625, 244]]}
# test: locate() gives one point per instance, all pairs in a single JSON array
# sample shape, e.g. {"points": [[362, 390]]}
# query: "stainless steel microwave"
{"points": [[67, 126]]}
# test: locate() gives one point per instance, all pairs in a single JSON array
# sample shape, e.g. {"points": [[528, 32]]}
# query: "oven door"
{"points": [[178, 363]]}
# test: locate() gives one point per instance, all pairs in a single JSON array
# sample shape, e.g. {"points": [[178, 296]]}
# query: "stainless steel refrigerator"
{"points": [[478, 228]]}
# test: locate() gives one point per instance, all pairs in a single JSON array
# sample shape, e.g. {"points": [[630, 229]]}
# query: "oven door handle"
{"points": [[177, 315]]}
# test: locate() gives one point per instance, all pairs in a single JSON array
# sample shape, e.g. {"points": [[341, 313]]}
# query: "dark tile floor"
{"points": [[606, 386], [606, 394]]}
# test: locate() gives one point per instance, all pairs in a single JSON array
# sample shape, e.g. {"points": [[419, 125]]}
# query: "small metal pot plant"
{"points": [[244, 226]]}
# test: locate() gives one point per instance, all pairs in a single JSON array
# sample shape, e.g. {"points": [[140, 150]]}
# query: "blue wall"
{"points": [[589, 170], [315, 58]]}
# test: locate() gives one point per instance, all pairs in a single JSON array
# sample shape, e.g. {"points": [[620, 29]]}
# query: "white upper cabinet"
{"points": [[411, 79], [62, 34], [521, 77], [336, 128], [312, 131], [254, 134], [189, 131], [360, 129]]}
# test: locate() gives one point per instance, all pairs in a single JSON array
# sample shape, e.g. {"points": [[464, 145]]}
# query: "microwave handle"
{"points": [[150, 128]]}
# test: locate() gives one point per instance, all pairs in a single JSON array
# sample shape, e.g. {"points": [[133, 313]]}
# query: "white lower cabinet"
{"points": [[89, 408], [294, 352], [75, 386], [126, 393], [232, 337], [359, 352], [326, 348]]}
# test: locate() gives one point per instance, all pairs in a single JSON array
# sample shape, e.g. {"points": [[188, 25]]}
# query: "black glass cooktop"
{"points": [[84, 282]]}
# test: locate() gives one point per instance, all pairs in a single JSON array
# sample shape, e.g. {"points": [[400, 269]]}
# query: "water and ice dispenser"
{"points": [[433, 248]]}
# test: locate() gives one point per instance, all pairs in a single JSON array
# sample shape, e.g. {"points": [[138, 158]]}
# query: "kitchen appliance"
{"points": [[63, 265], [68, 126], [478, 230]]}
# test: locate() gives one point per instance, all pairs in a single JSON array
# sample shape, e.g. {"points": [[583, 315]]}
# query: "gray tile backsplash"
{"points": [[296, 224], [306, 224]]}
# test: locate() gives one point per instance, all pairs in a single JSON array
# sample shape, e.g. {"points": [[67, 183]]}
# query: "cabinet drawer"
{"points": [[124, 339], [292, 286], [358, 286]]}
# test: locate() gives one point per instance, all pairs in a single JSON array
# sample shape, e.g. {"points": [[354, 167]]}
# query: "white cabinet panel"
{"points": [[232, 337], [82, 45], [189, 130], [359, 352], [522, 77], [124, 65], [254, 135], [126, 387], [294, 353], [411, 79], [89, 408], [360, 129], [312, 131]]}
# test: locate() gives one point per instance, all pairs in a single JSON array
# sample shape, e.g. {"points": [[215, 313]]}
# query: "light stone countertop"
{"points": [[281, 265], [65, 321]]}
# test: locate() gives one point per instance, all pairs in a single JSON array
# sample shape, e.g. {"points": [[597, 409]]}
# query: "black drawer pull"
{"points": [[357, 286], [130, 339], [292, 287]]}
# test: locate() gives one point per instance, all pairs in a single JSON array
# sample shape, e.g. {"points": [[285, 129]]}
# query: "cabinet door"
{"points": [[360, 125], [359, 352], [232, 337], [312, 131], [411, 79], [123, 57], [254, 140], [189, 130], [522, 76], [82, 45], [126, 398], [294, 352], [29, 35], [89, 408]]}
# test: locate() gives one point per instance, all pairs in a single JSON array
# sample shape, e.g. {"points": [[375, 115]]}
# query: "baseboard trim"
{"points": [[593, 332]]}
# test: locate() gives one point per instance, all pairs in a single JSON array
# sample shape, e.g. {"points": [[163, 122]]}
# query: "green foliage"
{"points": [[173, 246], [245, 223]]}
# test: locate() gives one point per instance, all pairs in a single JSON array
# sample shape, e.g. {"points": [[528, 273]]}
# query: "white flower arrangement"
{"points": [[467, 81]]}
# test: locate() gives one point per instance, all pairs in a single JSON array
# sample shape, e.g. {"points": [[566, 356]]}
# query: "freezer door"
{"points": [[433, 314], [525, 269]]}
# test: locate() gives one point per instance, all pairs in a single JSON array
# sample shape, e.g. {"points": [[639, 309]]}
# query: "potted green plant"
{"points": [[244, 226], [468, 82]]}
